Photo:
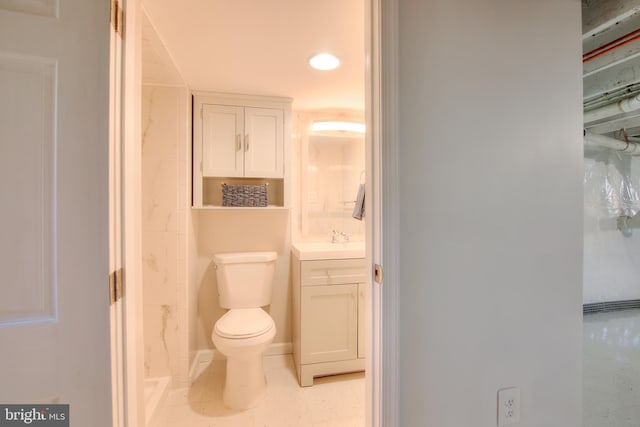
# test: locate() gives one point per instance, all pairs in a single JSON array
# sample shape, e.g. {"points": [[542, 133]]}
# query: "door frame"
{"points": [[115, 220], [134, 414], [382, 392]]}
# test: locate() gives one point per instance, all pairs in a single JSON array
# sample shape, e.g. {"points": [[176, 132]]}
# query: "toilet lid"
{"points": [[243, 323]]}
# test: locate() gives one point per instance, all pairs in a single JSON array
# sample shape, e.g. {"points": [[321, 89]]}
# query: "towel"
{"points": [[358, 210]]}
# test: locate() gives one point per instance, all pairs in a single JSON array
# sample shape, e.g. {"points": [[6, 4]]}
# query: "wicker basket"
{"points": [[244, 195]]}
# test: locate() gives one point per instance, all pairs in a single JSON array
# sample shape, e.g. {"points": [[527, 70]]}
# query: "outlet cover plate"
{"points": [[508, 406]]}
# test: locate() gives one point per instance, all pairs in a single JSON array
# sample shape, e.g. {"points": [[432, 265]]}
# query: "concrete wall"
{"points": [[596, 13], [491, 210]]}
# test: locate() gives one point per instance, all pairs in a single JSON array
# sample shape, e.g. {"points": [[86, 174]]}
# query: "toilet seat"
{"points": [[243, 323]]}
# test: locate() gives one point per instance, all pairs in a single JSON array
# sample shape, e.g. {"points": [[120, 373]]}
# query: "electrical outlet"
{"points": [[508, 406]]}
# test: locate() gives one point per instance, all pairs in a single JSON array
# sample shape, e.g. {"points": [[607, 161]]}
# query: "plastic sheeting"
{"points": [[611, 190]]}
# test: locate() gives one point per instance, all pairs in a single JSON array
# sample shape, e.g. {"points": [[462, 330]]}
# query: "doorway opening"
{"points": [[166, 311]]}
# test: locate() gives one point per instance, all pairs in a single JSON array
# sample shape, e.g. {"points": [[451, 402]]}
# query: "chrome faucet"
{"points": [[339, 237]]}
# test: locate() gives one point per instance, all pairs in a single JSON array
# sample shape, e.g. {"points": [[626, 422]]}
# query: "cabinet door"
{"points": [[329, 318], [222, 140], [362, 320], [264, 143]]}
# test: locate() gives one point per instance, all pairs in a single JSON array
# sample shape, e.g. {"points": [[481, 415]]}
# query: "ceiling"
{"points": [[615, 75], [258, 47], [262, 48]]}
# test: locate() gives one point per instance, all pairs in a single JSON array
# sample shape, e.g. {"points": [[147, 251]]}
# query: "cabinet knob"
{"points": [[238, 142], [246, 142]]}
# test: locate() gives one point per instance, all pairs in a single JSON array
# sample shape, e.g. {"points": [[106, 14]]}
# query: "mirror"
{"points": [[332, 169]]}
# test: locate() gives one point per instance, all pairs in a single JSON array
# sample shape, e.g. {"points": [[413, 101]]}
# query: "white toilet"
{"points": [[245, 282]]}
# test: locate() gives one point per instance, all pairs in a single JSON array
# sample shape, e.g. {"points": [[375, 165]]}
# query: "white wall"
{"points": [[241, 230], [491, 210], [611, 260]]}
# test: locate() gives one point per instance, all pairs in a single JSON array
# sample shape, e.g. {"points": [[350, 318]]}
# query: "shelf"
{"points": [[231, 208], [212, 192]]}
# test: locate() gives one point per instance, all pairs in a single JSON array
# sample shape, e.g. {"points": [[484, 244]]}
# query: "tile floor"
{"points": [[336, 401], [611, 387]]}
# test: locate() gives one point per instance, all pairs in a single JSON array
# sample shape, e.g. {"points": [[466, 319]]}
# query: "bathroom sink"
{"points": [[323, 250]]}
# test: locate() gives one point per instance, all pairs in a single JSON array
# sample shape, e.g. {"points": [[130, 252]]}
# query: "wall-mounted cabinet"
{"points": [[240, 140]]}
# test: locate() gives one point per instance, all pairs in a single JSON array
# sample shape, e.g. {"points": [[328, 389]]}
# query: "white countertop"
{"points": [[305, 251]]}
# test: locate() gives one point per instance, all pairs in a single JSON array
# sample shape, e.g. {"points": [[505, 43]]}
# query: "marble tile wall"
{"points": [[166, 225]]}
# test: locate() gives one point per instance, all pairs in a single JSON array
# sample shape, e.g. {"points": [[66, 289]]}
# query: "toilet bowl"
{"points": [[244, 332], [243, 335]]}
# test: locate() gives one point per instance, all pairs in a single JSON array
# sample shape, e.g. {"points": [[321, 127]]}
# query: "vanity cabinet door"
{"points": [[329, 321], [222, 140], [362, 320], [264, 143]]}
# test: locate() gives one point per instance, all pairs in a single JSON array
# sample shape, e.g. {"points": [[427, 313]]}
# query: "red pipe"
{"points": [[611, 46]]}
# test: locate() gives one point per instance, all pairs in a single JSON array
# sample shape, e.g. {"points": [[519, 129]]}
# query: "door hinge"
{"points": [[117, 17], [116, 285], [377, 273]]}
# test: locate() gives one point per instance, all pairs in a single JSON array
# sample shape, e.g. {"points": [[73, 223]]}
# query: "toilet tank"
{"points": [[245, 279]]}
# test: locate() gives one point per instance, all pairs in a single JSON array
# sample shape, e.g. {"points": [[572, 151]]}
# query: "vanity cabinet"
{"points": [[239, 139], [328, 317]]}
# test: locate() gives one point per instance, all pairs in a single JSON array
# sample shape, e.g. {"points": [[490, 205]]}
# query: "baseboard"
{"points": [[203, 358], [279, 348]]}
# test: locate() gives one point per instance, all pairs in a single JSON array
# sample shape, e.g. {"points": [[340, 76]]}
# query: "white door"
{"points": [[54, 230]]}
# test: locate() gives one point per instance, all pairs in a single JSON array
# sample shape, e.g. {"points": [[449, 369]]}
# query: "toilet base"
{"points": [[245, 385]]}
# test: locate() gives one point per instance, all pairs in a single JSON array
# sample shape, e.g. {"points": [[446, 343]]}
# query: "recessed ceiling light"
{"points": [[324, 61]]}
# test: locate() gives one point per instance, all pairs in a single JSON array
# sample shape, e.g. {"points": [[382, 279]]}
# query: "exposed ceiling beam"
{"points": [[627, 122], [598, 15], [611, 71]]}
